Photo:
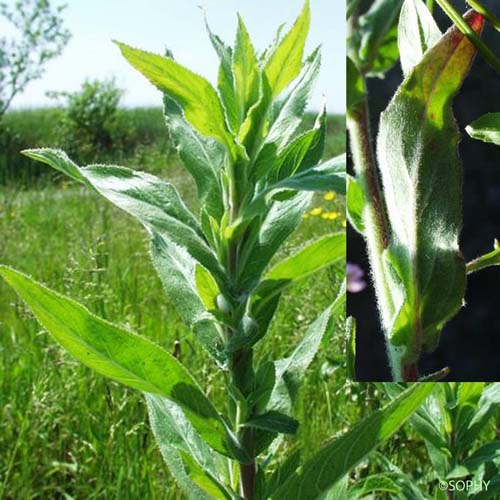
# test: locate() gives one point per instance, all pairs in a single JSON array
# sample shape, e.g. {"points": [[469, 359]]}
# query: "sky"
{"points": [[179, 25]]}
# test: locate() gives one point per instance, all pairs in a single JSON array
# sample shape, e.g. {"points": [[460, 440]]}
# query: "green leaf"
{"points": [[355, 87], [274, 421], [288, 112], [207, 288], [487, 260], [121, 356], [202, 157], [486, 128], [378, 50], [245, 70], [265, 379], [176, 269], [486, 453], [417, 33], [285, 63], [417, 151], [328, 176], [336, 459], [487, 408], [198, 99], [355, 204], [268, 236], [313, 257], [375, 483], [225, 82], [176, 438], [290, 371]]}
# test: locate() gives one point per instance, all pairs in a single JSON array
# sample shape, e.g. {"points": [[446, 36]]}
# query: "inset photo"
{"points": [[423, 119]]}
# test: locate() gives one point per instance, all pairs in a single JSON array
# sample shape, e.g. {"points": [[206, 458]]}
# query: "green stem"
{"points": [[464, 27], [487, 260], [485, 12], [375, 223]]}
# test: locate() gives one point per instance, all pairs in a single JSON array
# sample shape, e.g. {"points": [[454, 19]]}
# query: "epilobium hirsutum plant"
{"points": [[255, 178], [406, 199]]}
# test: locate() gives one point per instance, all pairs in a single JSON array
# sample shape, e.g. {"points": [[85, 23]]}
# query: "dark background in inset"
{"points": [[470, 343]]}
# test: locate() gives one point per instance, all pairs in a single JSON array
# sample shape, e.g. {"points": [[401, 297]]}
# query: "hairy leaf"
{"points": [[421, 173], [333, 461], [121, 355], [202, 157], [198, 99], [417, 33], [311, 258], [274, 421], [281, 220], [245, 70], [285, 63], [225, 82], [290, 371]]}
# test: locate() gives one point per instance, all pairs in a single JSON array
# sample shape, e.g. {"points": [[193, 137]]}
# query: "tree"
{"points": [[39, 36]]}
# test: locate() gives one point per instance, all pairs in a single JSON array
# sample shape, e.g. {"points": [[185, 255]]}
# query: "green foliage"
{"points": [[415, 23], [91, 121], [211, 263], [450, 422], [40, 36], [486, 128], [331, 463], [425, 269]]}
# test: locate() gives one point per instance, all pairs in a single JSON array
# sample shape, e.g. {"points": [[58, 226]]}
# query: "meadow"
{"points": [[67, 433]]}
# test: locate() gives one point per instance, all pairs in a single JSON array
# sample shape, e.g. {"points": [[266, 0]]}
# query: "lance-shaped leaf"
{"points": [[273, 421], [290, 371], [417, 33], [285, 62], [225, 82], [313, 257], [286, 114], [378, 50], [267, 237], [336, 459], [199, 476], [176, 269], [178, 243], [486, 128], [195, 95], [327, 176], [122, 356], [202, 157], [303, 152], [245, 70], [421, 174]]}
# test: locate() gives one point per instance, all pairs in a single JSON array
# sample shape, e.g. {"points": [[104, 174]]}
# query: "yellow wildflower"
{"points": [[316, 211], [329, 196]]}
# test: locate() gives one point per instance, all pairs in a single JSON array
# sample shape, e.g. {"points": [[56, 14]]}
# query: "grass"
{"points": [[67, 433]]}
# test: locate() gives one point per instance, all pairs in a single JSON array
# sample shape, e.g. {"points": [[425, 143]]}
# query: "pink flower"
{"points": [[355, 278]]}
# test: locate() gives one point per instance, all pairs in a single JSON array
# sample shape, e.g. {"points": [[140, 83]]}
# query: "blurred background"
{"points": [[470, 343]]}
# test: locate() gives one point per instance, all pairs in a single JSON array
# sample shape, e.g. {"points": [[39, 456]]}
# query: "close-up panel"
{"points": [[423, 126]]}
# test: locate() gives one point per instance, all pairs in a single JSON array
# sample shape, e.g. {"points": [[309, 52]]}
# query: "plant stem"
{"points": [[464, 27], [376, 226]]}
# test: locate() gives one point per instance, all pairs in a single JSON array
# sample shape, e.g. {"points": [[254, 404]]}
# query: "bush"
{"points": [[92, 123]]}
